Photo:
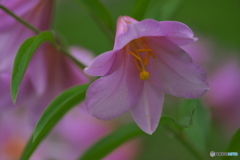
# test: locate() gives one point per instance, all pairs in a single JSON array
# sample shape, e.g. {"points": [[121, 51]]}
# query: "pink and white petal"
{"points": [[115, 93], [174, 71], [177, 32], [148, 110], [101, 64], [82, 55]]}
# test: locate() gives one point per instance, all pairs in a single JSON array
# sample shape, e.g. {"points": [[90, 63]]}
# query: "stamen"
{"points": [[152, 55], [133, 54], [144, 50], [145, 60], [137, 65]]}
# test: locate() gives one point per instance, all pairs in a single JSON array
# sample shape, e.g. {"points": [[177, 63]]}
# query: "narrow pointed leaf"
{"points": [[139, 9], [23, 57], [111, 142], [51, 116]]}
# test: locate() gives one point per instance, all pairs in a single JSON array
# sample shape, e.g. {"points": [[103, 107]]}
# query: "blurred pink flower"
{"points": [[80, 131], [14, 133], [72, 136], [12, 33], [146, 62], [49, 72], [201, 51], [224, 96]]}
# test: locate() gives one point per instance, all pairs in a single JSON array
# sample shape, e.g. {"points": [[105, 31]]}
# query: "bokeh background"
{"points": [[217, 117]]}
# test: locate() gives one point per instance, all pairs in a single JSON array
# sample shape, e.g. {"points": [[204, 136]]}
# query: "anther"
{"points": [[144, 50]]}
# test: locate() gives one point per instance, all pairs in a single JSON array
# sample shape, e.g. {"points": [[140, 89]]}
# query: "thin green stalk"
{"points": [[20, 20], [182, 138], [37, 31], [72, 58]]}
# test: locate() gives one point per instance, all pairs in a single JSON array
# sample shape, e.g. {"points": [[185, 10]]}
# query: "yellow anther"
{"points": [[144, 75], [144, 50]]}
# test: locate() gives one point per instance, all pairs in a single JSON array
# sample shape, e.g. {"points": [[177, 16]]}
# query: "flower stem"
{"points": [[35, 30], [182, 138]]}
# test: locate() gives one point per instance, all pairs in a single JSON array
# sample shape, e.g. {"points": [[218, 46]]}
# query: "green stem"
{"points": [[182, 138], [37, 31], [72, 58], [20, 20]]}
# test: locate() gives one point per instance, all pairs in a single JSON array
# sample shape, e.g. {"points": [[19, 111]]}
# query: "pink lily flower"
{"points": [[145, 63]]}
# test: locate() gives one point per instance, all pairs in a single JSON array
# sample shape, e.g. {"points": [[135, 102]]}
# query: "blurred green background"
{"points": [[217, 19]]}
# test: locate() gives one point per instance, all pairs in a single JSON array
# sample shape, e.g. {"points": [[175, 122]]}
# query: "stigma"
{"points": [[144, 75]]}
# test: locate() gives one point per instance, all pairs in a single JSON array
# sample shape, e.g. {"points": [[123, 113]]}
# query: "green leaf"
{"points": [[53, 113], [139, 9], [23, 57], [234, 145], [112, 141], [199, 133], [186, 122], [100, 14]]}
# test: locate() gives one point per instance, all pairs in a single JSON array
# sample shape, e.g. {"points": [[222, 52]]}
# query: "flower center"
{"points": [[141, 54]]}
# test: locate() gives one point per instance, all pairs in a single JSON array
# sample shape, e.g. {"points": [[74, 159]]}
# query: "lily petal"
{"points": [[177, 32], [101, 64], [148, 110], [82, 55], [115, 93], [175, 72]]}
